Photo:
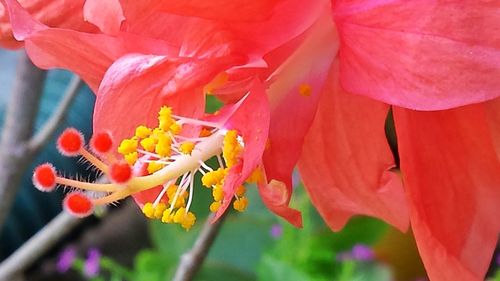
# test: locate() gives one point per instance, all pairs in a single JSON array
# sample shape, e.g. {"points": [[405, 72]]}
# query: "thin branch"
{"points": [[40, 243], [18, 127], [37, 246], [41, 138], [192, 261]]}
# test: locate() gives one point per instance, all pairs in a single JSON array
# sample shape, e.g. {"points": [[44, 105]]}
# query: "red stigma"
{"points": [[101, 142], [44, 177], [78, 204], [70, 142], [120, 172]]}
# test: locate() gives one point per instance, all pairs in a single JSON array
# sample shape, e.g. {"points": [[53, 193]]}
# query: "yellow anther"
{"points": [[218, 193], [160, 208], [163, 147], [175, 128], [148, 210], [186, 147], [142, 132], [240, 204], [180, 215], [213, 178], [131, 158], [148, 144], [127, 146], [214, 207], [154, 166], [240, 191], [168, 216], [165, 111], [231, 148], [189, 220], [205, 133], [171, 190], [255, 176], [157, 132], [305, 90]]}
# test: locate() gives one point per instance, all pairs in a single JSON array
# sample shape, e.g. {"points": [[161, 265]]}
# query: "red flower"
{"points": [[338, 78]]}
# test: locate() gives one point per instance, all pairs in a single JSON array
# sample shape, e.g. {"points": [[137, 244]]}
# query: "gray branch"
{"points": [[21, 112], [192, 261], [37, 246], [41, 138]]}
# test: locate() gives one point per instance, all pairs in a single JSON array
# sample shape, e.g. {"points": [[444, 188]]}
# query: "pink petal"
{"points": [[136, 86], [424, 55], [56, 13], [307, 66], [346, 161], [107, 15], [452, 178], [493, 115], [251, 120], [276, 196]]}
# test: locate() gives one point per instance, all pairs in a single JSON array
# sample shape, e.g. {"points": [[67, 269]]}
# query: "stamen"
{"points": [[78, 204], [101, 143], [70, 142], [44, 177]]}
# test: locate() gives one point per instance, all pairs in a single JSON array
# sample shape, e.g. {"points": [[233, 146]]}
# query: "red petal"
{"points": [[56, 13], [493, 111], [346, 161], [308, 65], [251, 120], [276, 196], [136, 86], [107, 15], [452, 178], [423, 55]]}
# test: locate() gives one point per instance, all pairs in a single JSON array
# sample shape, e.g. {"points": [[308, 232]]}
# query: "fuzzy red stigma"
{"points": [[101, 142], [78, 204], [70, 142], [120, 172], [44, 177]]}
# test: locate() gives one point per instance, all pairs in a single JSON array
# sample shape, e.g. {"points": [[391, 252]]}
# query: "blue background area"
{"points": [[33, 209]]}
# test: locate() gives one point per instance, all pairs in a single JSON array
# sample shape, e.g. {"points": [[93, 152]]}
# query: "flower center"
{"points": [[167, 156]]}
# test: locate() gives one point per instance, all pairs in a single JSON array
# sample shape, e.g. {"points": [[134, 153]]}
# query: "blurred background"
{"points": [[120, 244]]}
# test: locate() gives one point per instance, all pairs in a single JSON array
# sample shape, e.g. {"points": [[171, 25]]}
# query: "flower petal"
{"points": [[493, 111], [56, 13], [107, 15], [251, 120], [305, 70], [346, 161], [136, 86], [425, 55], [452, 178]]}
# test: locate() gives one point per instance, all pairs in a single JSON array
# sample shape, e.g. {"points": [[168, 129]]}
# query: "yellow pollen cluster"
{"points": [[173, 212], [232, 148], [157, 141]]}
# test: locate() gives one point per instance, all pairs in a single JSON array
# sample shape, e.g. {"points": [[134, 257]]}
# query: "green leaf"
{"points": [[272, 269]]}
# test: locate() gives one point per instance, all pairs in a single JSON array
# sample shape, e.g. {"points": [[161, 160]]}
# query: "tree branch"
{"points": [[192, 261], [17, 130], [37, 246], [41, 138]]}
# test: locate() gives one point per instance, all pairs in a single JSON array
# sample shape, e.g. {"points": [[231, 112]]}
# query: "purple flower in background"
{"points": [[359, 252], [66, 259], [498, 259], [362, 252], [92, 266], [276, 231]]}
